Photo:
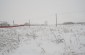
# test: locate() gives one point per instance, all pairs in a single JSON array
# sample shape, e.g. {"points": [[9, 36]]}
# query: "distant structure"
{"points": [[66, 23], [2, 23], [26, 24]]}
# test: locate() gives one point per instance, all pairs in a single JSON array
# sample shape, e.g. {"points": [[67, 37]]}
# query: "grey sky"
{"points": [[40, 10]]}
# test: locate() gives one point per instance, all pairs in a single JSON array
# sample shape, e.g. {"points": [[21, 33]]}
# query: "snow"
{"points": [[43, 40]]}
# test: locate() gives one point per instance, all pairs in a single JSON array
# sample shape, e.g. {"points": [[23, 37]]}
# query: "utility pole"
{"points": [[56, 19], [13, 22], [29, 23]]}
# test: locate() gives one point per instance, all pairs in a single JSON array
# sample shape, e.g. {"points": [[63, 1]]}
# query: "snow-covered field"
{"points": [[43, 40]]}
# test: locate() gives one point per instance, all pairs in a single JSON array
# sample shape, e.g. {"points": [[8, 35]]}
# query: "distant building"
{"points": [[4, 23], [66, 23], [26, 24]]}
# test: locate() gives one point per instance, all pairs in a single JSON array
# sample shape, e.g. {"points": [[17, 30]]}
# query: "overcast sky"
{"points": [[39, 11]]}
